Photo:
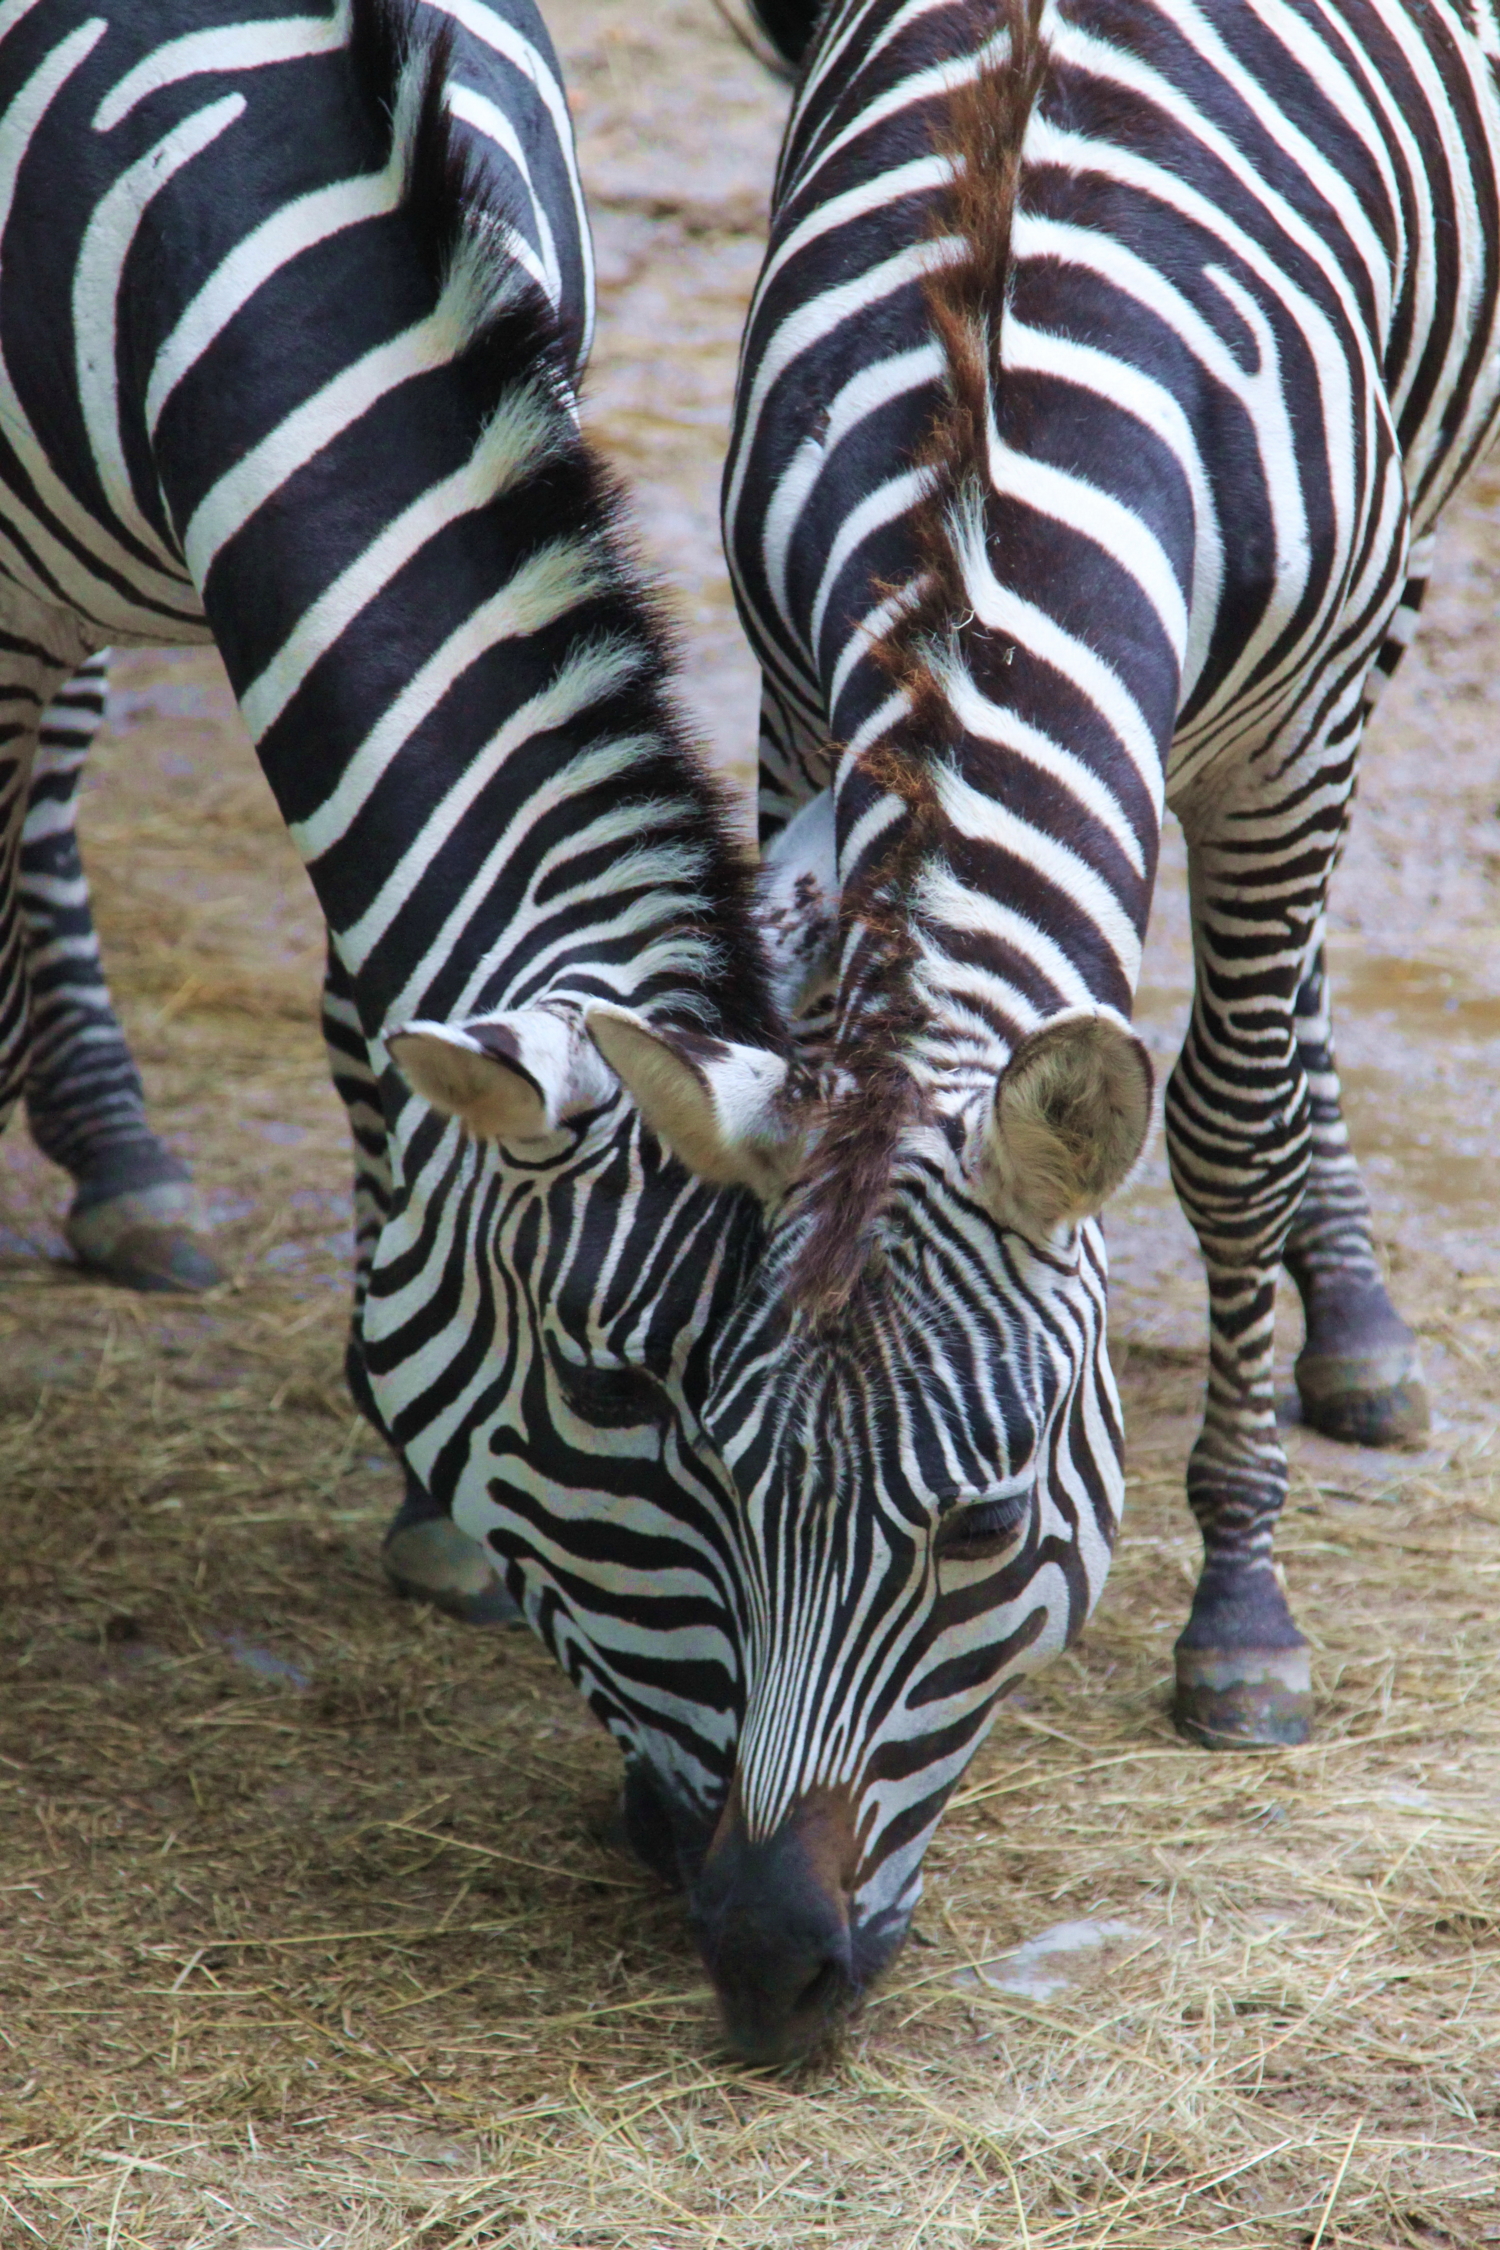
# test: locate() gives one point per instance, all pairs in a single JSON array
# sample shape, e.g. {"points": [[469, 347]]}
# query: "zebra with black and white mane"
{"points": [[321, 292], [243, 456]]}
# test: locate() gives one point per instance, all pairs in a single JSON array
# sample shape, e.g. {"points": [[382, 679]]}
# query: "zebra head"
{"points": [[926, 1456]]}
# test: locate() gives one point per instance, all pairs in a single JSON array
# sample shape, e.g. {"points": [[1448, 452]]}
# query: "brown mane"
{"points": [[849, 1184]]}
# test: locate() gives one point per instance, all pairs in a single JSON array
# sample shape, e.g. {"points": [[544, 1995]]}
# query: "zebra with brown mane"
{"points": [[1108, 363], [1105, 364]]}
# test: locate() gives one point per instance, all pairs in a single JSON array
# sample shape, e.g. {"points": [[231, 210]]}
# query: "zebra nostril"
{"points": [[772, 2017], [824, 1992], [772, 1917]]}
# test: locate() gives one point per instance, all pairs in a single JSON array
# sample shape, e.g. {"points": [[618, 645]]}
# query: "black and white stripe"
{"points": [[1101, 370]]}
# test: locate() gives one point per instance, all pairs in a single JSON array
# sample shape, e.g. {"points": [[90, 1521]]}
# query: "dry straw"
{"points": [[310, 1936]]}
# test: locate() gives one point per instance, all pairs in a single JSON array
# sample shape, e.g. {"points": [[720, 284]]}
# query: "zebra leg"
{"points": [[1238, 1137], [135, 1216], [794, 761], [39, 650], [425, 1555], [1359, 1377]]}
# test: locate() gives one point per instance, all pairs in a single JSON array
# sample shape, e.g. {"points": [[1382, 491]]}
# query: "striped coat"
{"points": [[1109, 366]]}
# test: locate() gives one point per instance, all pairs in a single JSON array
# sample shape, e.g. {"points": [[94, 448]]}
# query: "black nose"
{"points": [[773, 1928]]}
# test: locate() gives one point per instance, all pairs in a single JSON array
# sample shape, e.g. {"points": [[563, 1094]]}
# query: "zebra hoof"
{"points": [[145, 1240], [433, 1561], [1372, 1398], [1244, 1698]]}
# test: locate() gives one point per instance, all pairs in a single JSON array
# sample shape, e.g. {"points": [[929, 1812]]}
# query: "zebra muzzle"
{"points": [[772, 1919]]}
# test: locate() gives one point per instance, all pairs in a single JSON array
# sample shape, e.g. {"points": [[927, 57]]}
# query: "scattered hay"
{"points": [[312, 1937]]}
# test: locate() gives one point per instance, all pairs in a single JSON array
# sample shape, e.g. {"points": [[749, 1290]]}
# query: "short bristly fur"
{"points": [[881, 1013]]}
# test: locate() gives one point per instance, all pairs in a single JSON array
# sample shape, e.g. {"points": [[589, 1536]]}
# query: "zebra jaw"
{"points": [[717, 1105], [511, 1077]]}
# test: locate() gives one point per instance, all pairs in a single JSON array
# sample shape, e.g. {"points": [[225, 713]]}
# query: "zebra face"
{"points": [[928, 1475]]}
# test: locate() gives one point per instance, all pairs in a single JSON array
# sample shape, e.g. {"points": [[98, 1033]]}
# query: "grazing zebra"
{"points": [[291, 308], [210, 476], [1109, 362]]}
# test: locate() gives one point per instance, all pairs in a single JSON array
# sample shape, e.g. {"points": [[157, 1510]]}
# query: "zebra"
{"points": [[796, 1449], [1107, 372], [321, 285], [103, 558]]}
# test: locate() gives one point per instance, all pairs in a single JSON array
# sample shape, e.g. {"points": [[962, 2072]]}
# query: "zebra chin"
{"points": [[788, 1951]]}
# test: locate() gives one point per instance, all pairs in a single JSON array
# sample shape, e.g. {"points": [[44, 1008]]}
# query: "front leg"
{"points": [[425, 1555], [1358, 1375], [1238, 1118]]}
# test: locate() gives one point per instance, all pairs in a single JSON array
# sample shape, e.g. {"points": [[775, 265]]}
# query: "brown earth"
{"points": [[308, 1936]]}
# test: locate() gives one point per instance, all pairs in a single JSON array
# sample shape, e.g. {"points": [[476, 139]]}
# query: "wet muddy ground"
{"points": [[308, 1934]]}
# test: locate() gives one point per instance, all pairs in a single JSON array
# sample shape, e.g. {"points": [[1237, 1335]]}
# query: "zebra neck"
{"points": [[452, 668], [993, 874]]}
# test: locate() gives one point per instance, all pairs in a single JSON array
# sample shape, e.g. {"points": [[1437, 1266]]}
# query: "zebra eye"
{"points": [[985, 1529]]}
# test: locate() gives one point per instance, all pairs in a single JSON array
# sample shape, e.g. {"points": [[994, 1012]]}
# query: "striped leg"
{"points": [[135, 1217], [794, 761], [38, 651], [1358, 1376], [1238, 1117], [426, 1557]]}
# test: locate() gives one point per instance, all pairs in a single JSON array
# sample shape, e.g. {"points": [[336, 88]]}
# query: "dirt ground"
{"points": [[307, 1933]]}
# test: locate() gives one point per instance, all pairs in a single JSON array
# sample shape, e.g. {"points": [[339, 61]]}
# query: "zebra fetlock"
{"points": [[136, 1219], [427, 1558]]}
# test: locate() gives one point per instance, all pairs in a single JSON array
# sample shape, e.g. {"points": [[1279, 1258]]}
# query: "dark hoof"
{"points": [[144, 1238], [433, 1561], [169, 1260], [1244, 1698], [1376, 1398]]}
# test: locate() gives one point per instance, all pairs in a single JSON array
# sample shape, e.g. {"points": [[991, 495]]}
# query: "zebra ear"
{"points": [[506, 1078], [797, 907], [716, 1105], [1069, 1121]]}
